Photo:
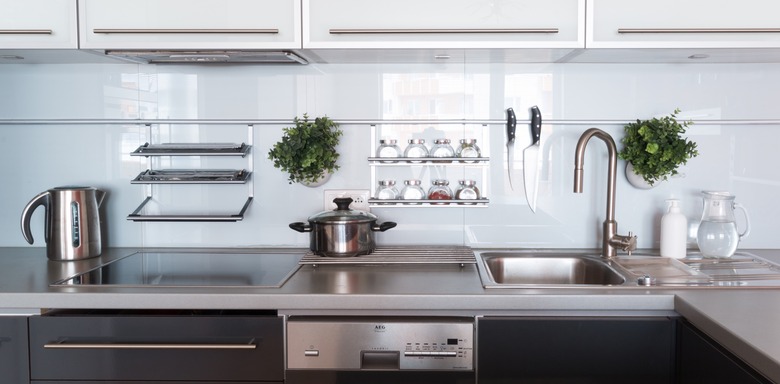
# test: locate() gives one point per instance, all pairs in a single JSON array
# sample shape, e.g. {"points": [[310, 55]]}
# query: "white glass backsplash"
{"points": [[735, 158]]}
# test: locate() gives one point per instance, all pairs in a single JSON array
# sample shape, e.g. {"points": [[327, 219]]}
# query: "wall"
{"points": [[734, 158]]}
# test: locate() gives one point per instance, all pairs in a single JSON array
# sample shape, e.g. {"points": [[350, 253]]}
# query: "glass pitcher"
{"points": [[717, 236]]}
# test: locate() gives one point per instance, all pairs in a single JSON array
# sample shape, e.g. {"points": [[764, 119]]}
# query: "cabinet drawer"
{"points": [[13, 349], [683, 24], [189, 24], [38, 24], [443, 24], [157, 347]]}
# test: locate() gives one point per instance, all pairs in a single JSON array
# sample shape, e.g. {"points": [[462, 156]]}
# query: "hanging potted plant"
{"points": [[307, 151], [654, 149]]}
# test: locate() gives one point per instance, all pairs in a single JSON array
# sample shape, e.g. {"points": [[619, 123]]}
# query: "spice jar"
{"points": [[386, 190], [416, 149], [442, 148], [467, 190], [388, 149], [468, 148], [440, 190], [412, 191]]}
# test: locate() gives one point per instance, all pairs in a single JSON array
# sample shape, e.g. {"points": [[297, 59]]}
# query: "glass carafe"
{"points": [[718, 236]]}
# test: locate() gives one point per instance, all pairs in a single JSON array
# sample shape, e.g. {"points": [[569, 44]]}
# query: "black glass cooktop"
{"points": [[191, 269]]}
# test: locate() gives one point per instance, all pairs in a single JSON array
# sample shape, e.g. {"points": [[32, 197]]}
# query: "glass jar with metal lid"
{"points": [[468, 148], [416, 149], [386, 190], [388, 148], [467, 190], [412, 191], [442, 148], [440, 190]]}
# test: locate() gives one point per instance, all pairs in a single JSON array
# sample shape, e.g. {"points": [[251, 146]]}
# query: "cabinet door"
{"points": [[559, 350], [38, 24], [190, 24], [702, 360], [159, 347], [14, 364], [443, 24], [683, 24]]}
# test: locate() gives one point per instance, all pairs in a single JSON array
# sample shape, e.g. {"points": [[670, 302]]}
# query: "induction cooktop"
{"points": [[191, 269]]}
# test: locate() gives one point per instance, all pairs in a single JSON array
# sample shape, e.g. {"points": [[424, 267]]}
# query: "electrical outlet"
{"points": [[359, 198]]}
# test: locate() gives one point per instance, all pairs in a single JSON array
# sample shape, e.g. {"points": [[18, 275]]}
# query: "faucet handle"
{"points": [[631, 243], [625, 243]]}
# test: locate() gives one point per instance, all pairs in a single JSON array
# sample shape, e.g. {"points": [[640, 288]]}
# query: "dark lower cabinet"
{"points": [[154, 347], [702, 360], [566, 350], [14, 365]]}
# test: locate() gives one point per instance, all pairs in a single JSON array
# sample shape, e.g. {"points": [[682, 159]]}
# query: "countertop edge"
{"points": [[697, 313]]}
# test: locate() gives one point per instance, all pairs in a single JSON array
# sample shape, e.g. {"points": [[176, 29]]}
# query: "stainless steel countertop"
{"points": [[743, 320]]}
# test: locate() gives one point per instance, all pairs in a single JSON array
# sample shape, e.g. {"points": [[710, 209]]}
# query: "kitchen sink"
{"points": [[512, 269], [578, 269]]}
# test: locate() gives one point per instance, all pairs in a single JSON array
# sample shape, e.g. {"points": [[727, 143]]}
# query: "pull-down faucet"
{"points": [[611, 241]]}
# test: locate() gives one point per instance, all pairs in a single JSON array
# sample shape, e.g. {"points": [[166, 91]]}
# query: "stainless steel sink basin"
{"points": [[511, 269]]}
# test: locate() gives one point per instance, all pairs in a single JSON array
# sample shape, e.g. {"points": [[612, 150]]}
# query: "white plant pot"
{"points": [[322, 180], [636, 180]]}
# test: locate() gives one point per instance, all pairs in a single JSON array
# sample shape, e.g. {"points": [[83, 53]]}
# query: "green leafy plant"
{"points": [[656, 147], [307, 150]]}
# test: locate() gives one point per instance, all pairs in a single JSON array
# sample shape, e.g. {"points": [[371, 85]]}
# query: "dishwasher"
{"points": [[355, 349]]}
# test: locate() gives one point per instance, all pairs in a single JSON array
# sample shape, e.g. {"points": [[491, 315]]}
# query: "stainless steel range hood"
{"points": [[208, 57]]}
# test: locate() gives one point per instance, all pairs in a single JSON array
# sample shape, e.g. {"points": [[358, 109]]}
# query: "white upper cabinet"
{"points": [[38, 24], [190, 24], [683, 24], [443, 23]]}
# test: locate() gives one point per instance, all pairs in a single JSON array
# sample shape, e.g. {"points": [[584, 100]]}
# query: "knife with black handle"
{"points": [[511, 125], [532, 159]]}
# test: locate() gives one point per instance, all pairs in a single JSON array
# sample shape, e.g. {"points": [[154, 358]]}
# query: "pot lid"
{"points": [[342, 214]]}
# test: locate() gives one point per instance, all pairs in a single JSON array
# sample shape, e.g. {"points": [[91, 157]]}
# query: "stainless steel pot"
{"points": [[342, 232]]}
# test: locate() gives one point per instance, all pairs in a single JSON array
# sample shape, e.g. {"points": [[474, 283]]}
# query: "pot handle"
{"points": [[384, 226], [300, 227]]}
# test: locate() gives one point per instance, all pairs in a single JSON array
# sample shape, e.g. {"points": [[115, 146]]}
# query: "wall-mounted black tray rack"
{"points": [[192, 149], [192, 176]]}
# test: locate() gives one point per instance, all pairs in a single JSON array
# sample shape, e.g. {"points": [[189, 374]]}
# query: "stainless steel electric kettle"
{"points": [[72, 222]]}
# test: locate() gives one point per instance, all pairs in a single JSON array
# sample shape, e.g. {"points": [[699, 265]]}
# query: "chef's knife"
{"points": [[532, 163], [511, 124]]}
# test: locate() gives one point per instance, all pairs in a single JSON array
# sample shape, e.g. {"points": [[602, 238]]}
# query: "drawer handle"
{"points": [[369, 31], [25, 32], [146, 346], [184, 31], [698, 30]]}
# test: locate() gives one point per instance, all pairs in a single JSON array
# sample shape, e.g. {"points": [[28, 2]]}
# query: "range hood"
{"points": [[208, 57]]}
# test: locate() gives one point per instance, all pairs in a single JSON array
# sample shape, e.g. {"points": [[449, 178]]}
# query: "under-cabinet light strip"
{"points": [[358, 122]]}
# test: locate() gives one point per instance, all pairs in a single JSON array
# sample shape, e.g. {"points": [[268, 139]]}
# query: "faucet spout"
{"points": [[611, 240]]}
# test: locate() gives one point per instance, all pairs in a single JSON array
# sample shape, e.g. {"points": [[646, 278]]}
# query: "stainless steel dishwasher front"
{"points": [[356, 349]]}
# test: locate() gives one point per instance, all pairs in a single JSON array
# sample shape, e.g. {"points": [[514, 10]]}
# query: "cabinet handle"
{"points": [[368, 31], [184, 31], [145, 346], [25, 31], [698, 30]]}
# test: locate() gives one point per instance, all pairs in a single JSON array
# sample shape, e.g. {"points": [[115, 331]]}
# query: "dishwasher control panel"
{"points": [[380, 343]]}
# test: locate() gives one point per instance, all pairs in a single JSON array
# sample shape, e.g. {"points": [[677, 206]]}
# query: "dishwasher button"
{"points": [[311, 352]]}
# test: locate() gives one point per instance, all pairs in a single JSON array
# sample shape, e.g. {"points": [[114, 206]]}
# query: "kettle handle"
{"points": [[100, 195], [41, 199]]}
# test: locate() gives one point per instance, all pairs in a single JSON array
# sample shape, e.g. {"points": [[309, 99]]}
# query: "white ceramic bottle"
{"points": [[674, 231]]}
